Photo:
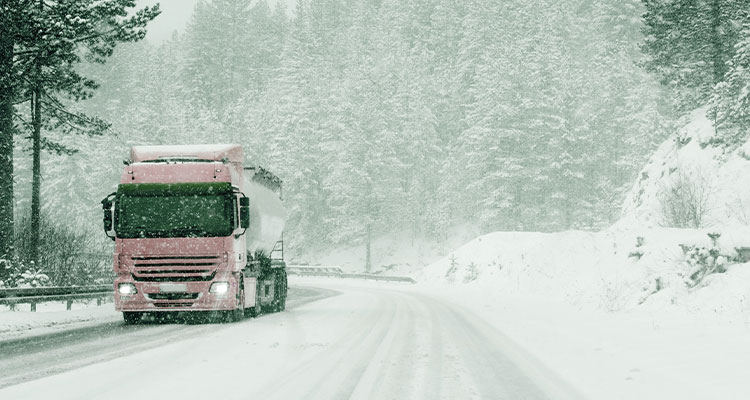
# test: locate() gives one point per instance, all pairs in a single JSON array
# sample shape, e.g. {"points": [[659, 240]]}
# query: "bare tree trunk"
{"points": [[6, 139], [717, 59], [36, 169], [368, 245], [36, 173]]}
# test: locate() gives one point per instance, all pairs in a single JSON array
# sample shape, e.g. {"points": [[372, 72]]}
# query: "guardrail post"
{"points": [[98, 301], [69, 305], [33, 307]]}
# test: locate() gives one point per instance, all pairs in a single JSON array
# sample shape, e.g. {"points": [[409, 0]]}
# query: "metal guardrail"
{"points": [[386, 278], [314, 271], [36, 295], [336, 272]]}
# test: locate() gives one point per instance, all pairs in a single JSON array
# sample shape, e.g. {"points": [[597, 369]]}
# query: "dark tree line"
{"points": [[41, 44], [698, 48]]}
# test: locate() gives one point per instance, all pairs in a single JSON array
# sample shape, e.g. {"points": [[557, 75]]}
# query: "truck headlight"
{"points": [[219, 287], [127, 289]]}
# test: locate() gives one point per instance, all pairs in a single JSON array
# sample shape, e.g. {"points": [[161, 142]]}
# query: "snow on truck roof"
{"points": [[215, 152]]}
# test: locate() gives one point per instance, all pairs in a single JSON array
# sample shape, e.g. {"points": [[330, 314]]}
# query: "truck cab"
{"points": [[194, 230]]}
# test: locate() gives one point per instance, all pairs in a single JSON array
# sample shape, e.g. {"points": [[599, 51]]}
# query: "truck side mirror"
{"points": [[244, 212], [108, 216]]}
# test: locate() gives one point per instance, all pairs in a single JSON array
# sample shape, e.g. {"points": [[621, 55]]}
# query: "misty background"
{"points": [[421, 117]]}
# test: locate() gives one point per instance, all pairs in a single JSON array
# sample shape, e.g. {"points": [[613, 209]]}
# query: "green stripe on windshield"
{"points": [[174, 189]]}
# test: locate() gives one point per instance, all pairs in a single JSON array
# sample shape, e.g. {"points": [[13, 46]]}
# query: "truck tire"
{"points": [[255, 311], [238, 313], [132, 317], [279, 296], [283, 291]]}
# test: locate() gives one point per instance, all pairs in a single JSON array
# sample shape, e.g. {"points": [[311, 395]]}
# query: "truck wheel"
{"points": [[132, 317], [279, 298], [284, 284], [255, 311], [238, 313]]}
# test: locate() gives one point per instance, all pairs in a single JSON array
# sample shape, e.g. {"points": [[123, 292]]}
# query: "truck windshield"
{"points": [[174, 213]]}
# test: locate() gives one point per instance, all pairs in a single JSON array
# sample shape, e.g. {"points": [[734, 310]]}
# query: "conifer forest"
{"points": [[387, 116]]}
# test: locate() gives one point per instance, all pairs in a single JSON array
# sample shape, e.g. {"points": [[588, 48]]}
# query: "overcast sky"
{"points": [[175, 14]]}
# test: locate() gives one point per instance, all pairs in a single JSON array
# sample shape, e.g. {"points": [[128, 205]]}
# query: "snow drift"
{"points": [[640, 262]]}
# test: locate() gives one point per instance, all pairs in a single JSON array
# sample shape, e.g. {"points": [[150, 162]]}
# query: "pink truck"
{"points": [[194, 230]]}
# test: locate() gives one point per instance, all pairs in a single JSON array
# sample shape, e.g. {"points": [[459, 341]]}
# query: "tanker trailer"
{"points": [[195, 231]]}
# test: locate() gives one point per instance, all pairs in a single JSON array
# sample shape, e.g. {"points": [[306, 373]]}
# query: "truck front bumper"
{"points": [[177, 296]]}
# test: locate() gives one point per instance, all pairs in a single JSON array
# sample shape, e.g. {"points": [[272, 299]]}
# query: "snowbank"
{"points": [[614, 270], [724, 167], [52, 317], [638, 263]]}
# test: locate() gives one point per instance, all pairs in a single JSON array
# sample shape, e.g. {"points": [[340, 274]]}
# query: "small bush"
{"points": [[704, 261], [67, 256], [33, 278], [740, 210], [450, 274], [472, 273], [638, 251], [685, 200], [10, 272], [16, 273]]}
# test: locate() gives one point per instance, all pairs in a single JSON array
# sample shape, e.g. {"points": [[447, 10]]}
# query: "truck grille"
{"points": [[172, 296], [173, 305], [174, 268]]}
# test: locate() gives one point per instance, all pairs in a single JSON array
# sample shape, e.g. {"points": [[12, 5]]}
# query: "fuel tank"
{"points": [[267, 213]]}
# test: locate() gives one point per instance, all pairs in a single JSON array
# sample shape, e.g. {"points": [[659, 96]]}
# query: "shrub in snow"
{"points": [[704, 261], [33, 278], [10, 271], [652, 288], [450, 274], [68, 256], [685, 200], [637, 252], [739, 209], [472, 273]]}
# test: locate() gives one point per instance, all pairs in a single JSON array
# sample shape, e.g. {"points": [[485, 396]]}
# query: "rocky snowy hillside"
{"points": [[715, 170], [679, 243]]}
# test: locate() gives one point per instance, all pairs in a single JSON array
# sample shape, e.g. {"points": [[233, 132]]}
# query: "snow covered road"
{"points": [[366, 341]]}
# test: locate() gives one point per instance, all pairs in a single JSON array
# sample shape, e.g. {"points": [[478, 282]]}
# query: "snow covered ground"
{"points": [[426, 341], [52, 317], [644, 354], [370, 341]]}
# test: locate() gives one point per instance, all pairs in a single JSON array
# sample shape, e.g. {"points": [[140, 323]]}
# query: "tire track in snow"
{"points": [[370, 341], [27, 359], [327, 373]]}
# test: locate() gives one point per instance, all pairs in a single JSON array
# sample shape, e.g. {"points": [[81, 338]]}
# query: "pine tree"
{"points": [[732, 98], [50, 40], [7, 129], [689, 43], [233, 46]]}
